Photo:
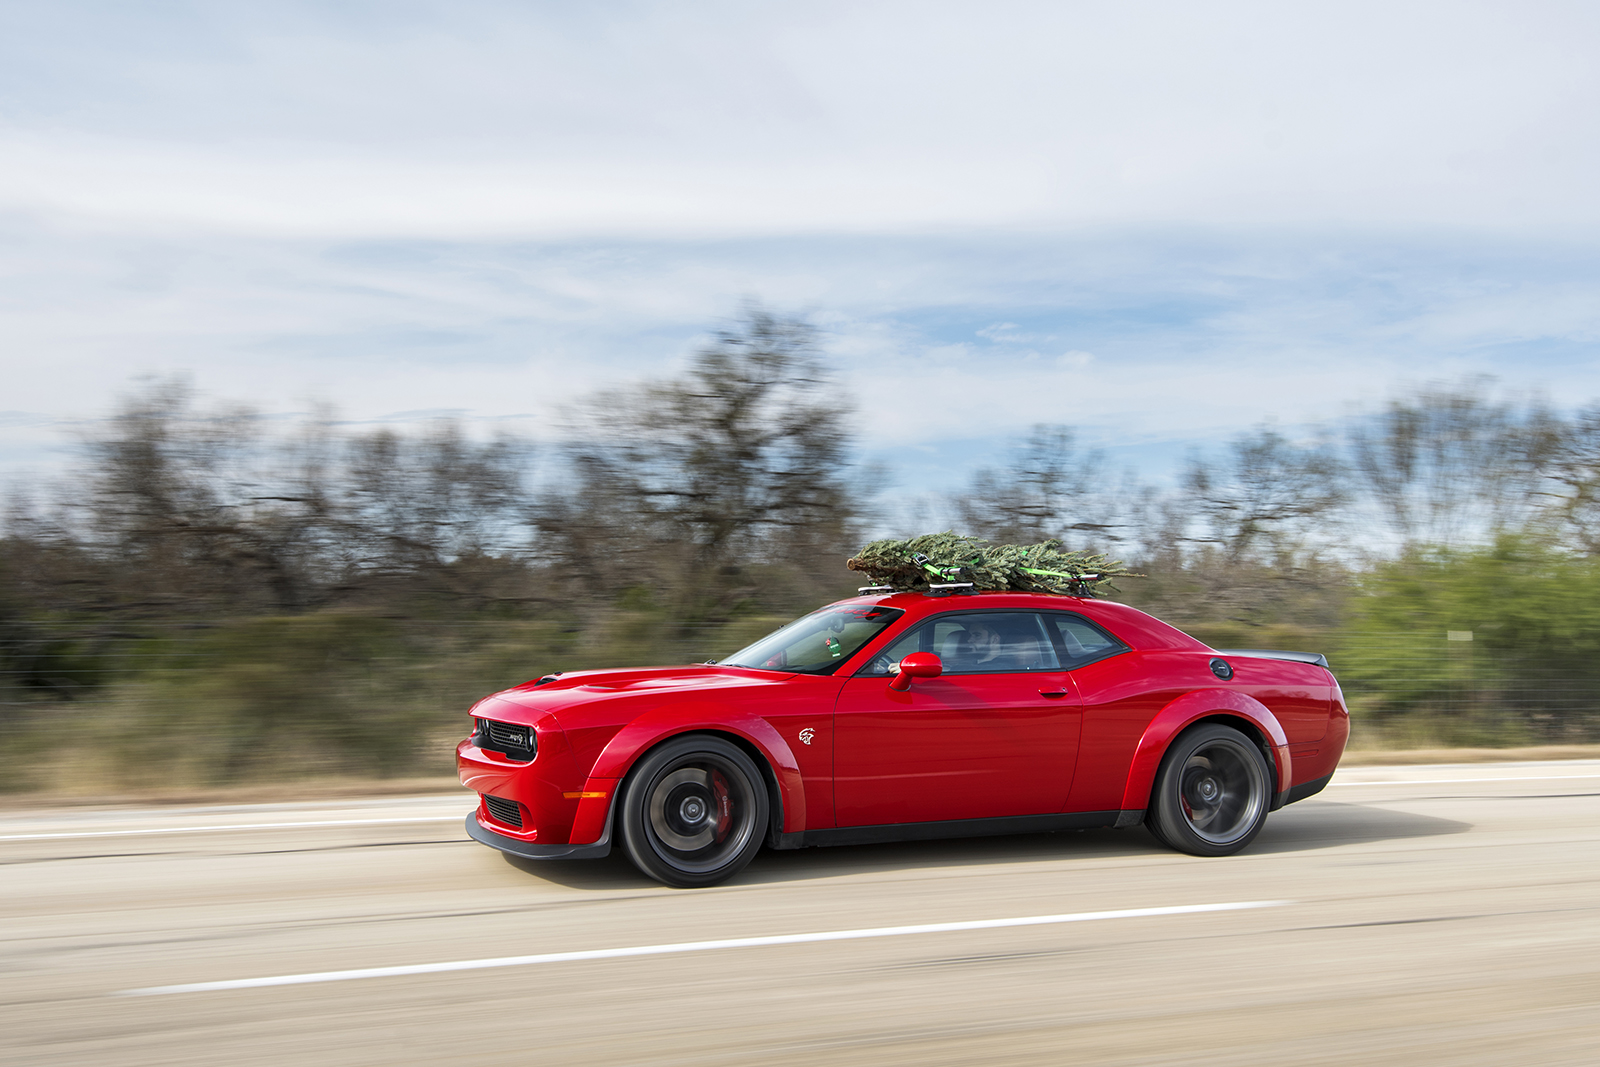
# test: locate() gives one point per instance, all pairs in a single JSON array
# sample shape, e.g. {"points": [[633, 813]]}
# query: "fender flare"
{"points": [[652, 727], [1184, 712]]}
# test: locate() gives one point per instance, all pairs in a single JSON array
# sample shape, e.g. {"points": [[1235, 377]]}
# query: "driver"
{"points": [[983, 646], [1003, 645]]}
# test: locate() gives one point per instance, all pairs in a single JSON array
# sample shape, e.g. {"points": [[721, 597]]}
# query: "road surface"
{"points": [[1407, 915]]}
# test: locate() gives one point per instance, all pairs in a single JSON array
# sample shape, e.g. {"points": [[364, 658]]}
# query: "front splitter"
{"points": [[529, 850]]}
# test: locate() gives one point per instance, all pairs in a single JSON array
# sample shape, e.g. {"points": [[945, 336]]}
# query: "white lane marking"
{"points": [[1460, 781], [694, 946], [235, 826]]}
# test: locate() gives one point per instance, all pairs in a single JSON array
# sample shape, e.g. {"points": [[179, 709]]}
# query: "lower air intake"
{"points": [[502, 810]]}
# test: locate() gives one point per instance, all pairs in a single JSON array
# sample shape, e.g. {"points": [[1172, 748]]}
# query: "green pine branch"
{"points": [[1047, 567]]}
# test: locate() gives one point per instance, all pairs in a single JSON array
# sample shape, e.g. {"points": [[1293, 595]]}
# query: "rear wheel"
{"points": [[1212, 792], [694, 812]]}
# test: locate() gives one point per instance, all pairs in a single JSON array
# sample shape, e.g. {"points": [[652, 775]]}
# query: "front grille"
{"points": [[503, 810], [511, 739]]}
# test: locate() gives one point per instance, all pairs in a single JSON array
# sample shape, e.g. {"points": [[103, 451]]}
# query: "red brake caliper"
{"points": [[719, 790]]}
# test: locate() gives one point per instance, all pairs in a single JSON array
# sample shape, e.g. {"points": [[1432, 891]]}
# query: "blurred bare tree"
{"points": [[1247, 539], [199, 509], [1448, 466], [741, 460], [1572, 507], [1265, 501], [1049, 489], [183, 502], [415, 503]]}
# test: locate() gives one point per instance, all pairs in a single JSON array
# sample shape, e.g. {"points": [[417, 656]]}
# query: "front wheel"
{"points": [[694, 812], [1212, 792]]}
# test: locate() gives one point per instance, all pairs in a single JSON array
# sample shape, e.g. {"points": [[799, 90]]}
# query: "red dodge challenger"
{"points": [[906, 716]]}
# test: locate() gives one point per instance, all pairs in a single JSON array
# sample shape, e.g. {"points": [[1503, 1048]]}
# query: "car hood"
{"points": [[577, 690]]}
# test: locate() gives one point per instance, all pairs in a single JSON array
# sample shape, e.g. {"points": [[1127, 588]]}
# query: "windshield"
{"points": [[819, 642]]}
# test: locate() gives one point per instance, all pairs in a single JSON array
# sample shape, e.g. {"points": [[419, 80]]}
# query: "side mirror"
{"points": [[916, 665]]}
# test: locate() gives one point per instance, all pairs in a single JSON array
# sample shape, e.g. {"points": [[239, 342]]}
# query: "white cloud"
{"points": [[1162, 221], [488, 119]]}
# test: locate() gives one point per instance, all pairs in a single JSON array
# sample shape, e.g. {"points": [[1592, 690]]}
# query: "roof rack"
{"points": [[947, 588], [1083, 585], [869, 590]]}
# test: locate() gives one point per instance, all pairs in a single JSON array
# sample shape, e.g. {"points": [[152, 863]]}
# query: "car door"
{"points": [[995, 735]]}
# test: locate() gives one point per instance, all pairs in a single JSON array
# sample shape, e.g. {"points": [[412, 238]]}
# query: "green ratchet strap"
{"points": [[942, 573], [1053, 574]]}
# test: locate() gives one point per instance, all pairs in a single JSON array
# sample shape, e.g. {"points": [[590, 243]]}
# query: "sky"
{"points": [[1162, 223]]}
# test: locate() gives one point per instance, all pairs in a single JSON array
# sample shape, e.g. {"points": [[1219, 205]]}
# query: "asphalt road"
{"points": [[1408, 915]]}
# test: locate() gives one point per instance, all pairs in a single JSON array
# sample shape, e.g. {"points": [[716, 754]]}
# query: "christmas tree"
{"points": [[931, 559]]}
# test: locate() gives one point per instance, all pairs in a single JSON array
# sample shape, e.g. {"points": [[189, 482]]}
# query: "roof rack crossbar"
{"points": [[947, 588]]}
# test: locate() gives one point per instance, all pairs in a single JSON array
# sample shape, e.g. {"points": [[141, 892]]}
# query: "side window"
{"points": [[1082, 641], [980, 642], [993, 642]]}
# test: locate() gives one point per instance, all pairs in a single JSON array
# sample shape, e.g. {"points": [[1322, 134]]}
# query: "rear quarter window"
{"points": [[1082, 641]]}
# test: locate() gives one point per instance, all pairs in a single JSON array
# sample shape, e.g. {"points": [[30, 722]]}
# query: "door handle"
{"points": [[1052, 692]]}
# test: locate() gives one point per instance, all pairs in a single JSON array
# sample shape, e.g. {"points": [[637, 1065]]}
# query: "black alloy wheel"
{"points": [[694, 811], [1212, 792]]}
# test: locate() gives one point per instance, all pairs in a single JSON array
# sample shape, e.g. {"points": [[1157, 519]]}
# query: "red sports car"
{"points": [[906, 716]]}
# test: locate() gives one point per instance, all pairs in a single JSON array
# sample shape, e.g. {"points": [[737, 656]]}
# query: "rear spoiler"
{"points": [[1272, 653]]}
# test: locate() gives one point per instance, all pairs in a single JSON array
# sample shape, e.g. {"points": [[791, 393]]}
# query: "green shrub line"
{"points": [[370, 695]]}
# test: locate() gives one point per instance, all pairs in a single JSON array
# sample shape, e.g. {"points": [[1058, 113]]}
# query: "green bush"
{"points": [[1529, 670]]}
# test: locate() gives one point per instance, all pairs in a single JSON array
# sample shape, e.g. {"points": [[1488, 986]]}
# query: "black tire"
{"points": [[694, 811], [1212, 792]]}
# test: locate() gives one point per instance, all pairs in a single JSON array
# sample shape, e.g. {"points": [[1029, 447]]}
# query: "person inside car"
{"points": [[985, 648]]}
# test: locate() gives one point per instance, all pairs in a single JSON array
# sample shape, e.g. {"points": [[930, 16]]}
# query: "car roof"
{"points": [[1134, 627]]}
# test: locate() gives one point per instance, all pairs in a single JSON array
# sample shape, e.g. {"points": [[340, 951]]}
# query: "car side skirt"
{"points": [[1306, 789], [531, 851], [934, 831]]}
